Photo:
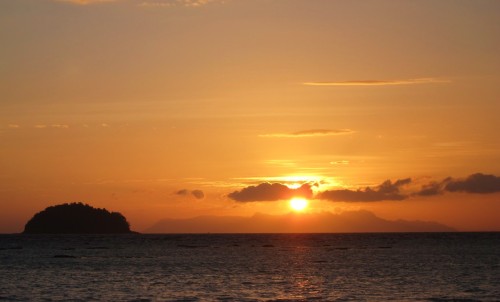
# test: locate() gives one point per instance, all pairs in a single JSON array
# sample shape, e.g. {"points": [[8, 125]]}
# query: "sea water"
{"points": [[251, 267]]}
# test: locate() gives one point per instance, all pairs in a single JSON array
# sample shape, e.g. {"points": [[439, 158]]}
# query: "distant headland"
{"points": [[77, 218]]}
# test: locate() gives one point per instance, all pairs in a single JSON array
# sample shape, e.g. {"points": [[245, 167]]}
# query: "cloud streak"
{"points": [[174, 3], [57, 126], [310, 133], [85, 2], [150, 3], [378, 82]]}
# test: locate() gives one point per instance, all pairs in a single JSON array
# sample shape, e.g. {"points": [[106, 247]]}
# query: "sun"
{"points": [[298, 204]]}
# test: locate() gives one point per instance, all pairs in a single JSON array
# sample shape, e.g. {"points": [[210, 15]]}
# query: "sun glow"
{"points": [[298, 204]]}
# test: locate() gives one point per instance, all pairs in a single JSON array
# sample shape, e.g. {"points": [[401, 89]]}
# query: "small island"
{"points": [[77, 218]]}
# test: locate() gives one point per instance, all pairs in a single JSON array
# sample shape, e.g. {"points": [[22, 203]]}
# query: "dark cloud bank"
{"points": [[475, 184], [270, 192], [386, 191]]}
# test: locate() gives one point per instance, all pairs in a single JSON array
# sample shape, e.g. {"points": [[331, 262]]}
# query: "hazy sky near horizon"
{"points": [[163, 108]]}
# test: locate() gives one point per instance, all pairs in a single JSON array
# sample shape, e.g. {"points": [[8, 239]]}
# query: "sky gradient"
{"points": [[176, 109]]}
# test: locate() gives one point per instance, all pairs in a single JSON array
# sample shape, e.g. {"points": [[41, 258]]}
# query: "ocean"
{"points": [[251, 267]]}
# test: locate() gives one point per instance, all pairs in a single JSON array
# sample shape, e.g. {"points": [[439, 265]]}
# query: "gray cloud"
{"points": [[310, 133], [475, 183], [398, 190], [198, 194], [182, 192], [431, 189], [270, 192], [385, 191]]}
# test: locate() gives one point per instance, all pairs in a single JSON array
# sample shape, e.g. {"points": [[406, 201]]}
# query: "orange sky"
{"points": [[123, 104]]}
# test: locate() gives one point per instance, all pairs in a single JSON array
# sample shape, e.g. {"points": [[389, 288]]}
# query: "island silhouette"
{"points": [[77, 218], [360, 221]]}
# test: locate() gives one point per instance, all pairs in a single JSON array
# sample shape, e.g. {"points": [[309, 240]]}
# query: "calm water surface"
{"points": [[276, 267]]}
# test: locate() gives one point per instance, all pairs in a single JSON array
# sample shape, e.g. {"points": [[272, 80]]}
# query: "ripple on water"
{"points": [[460, 267]]}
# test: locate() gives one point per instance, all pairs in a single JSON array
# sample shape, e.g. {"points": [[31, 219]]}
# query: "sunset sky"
{"points": [[183, 108]]}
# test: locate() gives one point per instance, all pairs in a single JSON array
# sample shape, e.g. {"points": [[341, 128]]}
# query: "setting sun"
{"points": [[298, 204]]}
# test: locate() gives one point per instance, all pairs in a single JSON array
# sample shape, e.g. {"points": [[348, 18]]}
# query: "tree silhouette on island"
{"points": [[77, 218]]}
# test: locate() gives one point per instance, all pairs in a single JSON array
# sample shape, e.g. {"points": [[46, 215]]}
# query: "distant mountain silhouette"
{"points": [[346, 222], [76, 218]]}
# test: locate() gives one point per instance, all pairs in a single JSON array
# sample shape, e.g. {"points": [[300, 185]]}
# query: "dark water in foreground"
{"points": [[282, 267]]}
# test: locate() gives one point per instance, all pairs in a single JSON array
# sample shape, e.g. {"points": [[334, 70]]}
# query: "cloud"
{"points": [[182, 192], [310, 133], [475, 183], [270, 192], [385, 191], [431, 189], [150, 3], [198, 194], [174, 3], [401, 189], [339, 162], [85, 2], [13, 126], [59, 126], [378, 82]]}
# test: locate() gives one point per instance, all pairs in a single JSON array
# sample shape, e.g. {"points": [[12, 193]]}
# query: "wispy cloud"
{"points": [[310, 133], [379, 82], [339, 162], [13, 126], [174, 3], [61, 126], [43, 126], [150, 3], [85, 2]]}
